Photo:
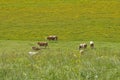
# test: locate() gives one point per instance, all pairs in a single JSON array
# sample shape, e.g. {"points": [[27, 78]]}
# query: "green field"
{"points": [[25, 22], [60, 61], [69, 19]]}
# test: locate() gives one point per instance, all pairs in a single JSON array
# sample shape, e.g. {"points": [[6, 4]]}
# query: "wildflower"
{"points": [[24, 74], [96, 76]]}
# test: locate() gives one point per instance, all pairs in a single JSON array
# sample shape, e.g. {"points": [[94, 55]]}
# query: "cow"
{"points": [[52, 38], [92, 44], [83, 46], [80, 46], [45, 44], [81, 51], [35, 48]]}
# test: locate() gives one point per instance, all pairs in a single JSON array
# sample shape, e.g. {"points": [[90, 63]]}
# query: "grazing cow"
{"points": [[83, 46], [91, 44], [35, 48], [80, 46], [53, 38], [45, 44], [81, 51]]}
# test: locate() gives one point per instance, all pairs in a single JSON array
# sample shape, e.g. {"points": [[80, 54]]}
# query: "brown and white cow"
{"points": [[91, 44], [44, 44], [35, 48], [52, 38], [83, 46]]}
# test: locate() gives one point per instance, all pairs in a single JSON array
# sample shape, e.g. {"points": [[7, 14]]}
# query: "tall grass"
{"points": [[61, 61]]}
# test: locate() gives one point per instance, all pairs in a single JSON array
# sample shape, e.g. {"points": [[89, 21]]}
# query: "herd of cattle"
{"points": [[55, 38], [84, 46], [45, 44]]}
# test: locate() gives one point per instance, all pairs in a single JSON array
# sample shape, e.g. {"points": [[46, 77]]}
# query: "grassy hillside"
{"points": [[61, 61], [25, 22], [69, 19]]}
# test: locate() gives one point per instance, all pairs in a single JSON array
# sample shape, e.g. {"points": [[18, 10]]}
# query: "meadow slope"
{"points": [[60, 61], [25, 22], [69, 19]]}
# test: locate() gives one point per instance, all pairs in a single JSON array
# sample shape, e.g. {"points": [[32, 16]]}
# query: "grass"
{"points": [[70, 20], [60, 61], [25, 22]]}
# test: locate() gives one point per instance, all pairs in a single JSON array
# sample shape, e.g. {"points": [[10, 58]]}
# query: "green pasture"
{"points": [[60, 61], [25, 22], [68, 19]]}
